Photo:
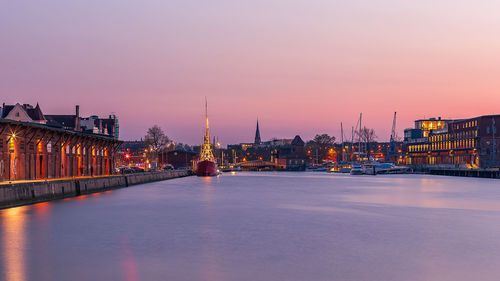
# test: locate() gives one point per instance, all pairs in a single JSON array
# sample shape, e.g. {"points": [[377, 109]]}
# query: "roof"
{"points": [[35, 113], [298, 141], [6, 110], [182, 151], [65, 121], [52, 128]]}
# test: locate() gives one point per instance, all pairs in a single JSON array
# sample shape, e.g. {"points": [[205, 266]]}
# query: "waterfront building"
{"points": [[179, 158], [23, 113], [462, 143], [32, 147], [292, 156], [93, 124]]}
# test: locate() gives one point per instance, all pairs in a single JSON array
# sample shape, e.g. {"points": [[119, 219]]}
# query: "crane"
{"points": [[392, 145]]}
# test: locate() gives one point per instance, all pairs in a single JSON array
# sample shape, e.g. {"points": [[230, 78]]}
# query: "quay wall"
{"points": [[17, 194], [494, 174]]}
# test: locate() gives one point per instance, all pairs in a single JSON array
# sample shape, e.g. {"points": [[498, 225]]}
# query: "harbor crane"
{"points": [[392, 155]]}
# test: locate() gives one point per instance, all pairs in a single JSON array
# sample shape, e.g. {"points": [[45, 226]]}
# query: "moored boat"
{"points": [[356, 169], [207, 167]]}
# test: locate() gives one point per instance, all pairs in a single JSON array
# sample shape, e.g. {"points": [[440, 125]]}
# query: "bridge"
{"points": [[257, 165]]}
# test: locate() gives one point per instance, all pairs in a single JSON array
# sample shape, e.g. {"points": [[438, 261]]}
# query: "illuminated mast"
{"points": [[206, 149]]}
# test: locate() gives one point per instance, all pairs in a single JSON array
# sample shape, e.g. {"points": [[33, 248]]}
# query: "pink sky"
{"points": [[301, 67]]}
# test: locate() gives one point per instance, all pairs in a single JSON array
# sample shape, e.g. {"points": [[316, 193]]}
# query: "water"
{"points": [[262, 226]]}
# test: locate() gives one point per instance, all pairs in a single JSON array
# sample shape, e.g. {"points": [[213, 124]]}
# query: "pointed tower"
{"points": [[257, 134]]}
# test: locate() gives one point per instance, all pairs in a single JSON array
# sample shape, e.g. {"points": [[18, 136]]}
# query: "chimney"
{"points": [[77, 118]]}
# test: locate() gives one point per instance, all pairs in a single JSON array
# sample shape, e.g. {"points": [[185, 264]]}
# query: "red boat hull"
{"points": [[206, 169]]}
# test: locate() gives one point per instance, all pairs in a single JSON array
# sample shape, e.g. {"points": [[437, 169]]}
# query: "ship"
{"points": [[206, 167]]}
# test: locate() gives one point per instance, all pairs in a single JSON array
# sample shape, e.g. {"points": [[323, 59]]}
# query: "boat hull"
{"points": [[206, 169]]}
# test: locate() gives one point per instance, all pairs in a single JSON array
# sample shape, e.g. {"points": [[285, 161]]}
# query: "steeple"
{"points": [[257, 134]]}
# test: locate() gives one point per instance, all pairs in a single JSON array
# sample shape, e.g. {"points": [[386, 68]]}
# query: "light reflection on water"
{"points": [[209, 267], [262, 226], [13, 223]]}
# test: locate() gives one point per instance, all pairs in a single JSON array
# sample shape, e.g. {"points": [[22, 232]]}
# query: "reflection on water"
{"points": [[429, 193], [129, 264], [13, 230], [209, 268], [262, 226]]}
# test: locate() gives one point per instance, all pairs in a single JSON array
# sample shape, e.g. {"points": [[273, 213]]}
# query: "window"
{"points": [[49, 147]]}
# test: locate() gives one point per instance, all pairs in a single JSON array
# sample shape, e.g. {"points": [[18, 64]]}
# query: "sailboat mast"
{"points": [[342, 140], [359, 137], [351, 145]]}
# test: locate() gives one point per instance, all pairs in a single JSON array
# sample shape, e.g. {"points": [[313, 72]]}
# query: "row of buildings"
{"points": [[472, 143], [461, 143], [34, 145], [282, 154]]}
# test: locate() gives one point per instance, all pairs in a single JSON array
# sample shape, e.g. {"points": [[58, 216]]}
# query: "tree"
{"points": [[156, 140], [321, 147], [368, 137], [324, 140]]}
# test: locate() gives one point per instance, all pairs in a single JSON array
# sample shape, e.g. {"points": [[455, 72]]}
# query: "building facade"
{"points": [[30, 151], [179, 158], [292, 157], [463, 143], [33, 147]]}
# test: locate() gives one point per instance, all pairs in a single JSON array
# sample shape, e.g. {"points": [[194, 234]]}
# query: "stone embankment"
{"points": [[17, 194]]}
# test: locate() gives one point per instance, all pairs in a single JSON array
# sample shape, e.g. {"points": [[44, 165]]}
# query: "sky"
{"points": [[300, 67]]}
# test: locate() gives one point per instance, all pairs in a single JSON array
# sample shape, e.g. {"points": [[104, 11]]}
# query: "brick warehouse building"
{"points": [[35, 150], [463, 143]]}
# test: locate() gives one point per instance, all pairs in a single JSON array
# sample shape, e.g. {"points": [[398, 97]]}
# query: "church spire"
{"points": [[257, 134]]}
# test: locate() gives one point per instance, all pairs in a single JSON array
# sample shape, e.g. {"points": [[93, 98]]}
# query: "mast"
{"points": [[351, 145], [207, 130], [359, 137], [342, 140], [206, 153]]}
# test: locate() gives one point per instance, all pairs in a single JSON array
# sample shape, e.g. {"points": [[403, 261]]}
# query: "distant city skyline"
{"points": [[301, 67]]}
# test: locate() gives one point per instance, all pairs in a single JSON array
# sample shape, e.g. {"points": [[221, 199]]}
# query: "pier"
{"points": [[28, 192], [477, 173]]}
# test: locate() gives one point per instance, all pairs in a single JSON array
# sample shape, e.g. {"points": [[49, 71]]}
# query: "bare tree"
{"points": [[156, 139], [368, 137]]}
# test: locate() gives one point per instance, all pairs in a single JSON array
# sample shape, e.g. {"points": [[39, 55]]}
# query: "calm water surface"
{"points": [[262, 226]]}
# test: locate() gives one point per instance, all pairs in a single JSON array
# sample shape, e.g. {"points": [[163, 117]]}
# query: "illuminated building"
{"points": [[32, 147], [463, 143], [432, 124]]}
